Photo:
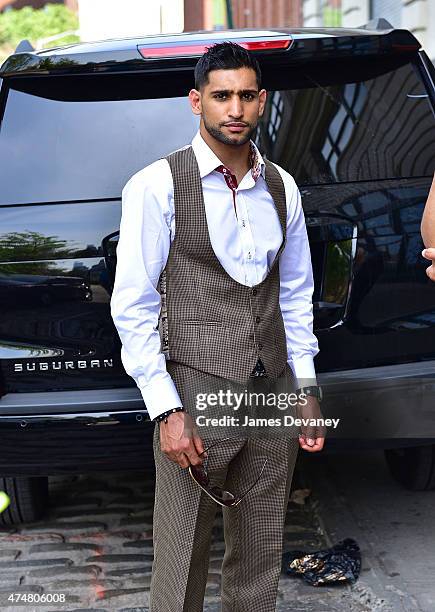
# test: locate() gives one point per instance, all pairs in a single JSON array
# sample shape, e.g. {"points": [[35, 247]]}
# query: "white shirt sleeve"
{"points": [[142, 252], [296, 289]]}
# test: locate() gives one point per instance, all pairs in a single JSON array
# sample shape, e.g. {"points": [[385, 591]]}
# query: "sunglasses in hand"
{"points": [[218, 494]]}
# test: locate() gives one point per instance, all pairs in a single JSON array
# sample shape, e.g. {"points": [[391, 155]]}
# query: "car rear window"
{"points": [[372, 129], [322, 130]]}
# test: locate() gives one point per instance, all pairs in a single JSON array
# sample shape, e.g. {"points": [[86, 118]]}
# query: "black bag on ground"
{"points": [[340, 563]]}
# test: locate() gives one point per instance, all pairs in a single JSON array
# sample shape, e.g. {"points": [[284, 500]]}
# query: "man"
{"points": [[428, 231], [213, 238]]}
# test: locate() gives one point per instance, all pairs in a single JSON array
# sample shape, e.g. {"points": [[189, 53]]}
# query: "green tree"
{"points": [[33, 24], [332, 17], [34, 248]]}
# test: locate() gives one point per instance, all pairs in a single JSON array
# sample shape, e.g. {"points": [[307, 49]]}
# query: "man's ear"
{"points": [[262, 95], [195, 101]]}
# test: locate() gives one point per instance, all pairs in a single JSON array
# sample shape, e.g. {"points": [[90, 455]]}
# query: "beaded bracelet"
{"points": [[164, 415]]}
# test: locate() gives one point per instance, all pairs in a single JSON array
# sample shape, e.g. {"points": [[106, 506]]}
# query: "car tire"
{"points": [[413, 467], [29, 499]]}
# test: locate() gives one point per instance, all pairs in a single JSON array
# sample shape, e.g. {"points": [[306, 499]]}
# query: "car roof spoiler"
{"points": [[377, 24], [24, 46], [181, 51]]}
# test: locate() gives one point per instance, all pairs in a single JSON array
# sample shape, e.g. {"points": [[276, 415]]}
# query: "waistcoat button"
{"points": [[257, 319], [254, 292], [260, 346]]}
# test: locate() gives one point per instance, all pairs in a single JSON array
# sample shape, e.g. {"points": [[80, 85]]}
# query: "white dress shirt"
{"points": [[245, 237]]}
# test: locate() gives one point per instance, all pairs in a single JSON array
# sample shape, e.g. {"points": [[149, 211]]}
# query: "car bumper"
{"points": [[74, 432], [385, 406], [109, 429]]}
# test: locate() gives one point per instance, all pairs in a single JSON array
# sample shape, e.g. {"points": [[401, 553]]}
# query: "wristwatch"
{"points": [[314, 391], [164, 415]]}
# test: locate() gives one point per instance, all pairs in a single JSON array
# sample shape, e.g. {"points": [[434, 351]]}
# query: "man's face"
{"points": [[229, 104]]}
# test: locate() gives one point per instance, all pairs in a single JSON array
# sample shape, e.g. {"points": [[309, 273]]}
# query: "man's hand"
{"points": [[180, 441], [311, 438], [430, 254]]}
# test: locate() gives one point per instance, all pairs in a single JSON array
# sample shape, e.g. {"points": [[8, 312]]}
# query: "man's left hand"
{"points": [[312, 437]]}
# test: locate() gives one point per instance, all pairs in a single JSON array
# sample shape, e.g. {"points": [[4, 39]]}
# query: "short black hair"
{"points": [[225, 56]]}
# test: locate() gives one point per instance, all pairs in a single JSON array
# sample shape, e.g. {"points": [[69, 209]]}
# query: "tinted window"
{"points": [[373, 129], [52, 150], [359, 129]]}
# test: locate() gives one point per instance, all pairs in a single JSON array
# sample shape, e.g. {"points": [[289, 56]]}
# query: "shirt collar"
{"points": [[208, 161]]}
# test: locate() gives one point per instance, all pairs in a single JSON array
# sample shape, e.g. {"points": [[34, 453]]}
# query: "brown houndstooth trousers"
{"points": [[253, 530]]}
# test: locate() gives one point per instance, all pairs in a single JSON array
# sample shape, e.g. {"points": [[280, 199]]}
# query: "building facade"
{"points": [[101, 19], [212, 14]]}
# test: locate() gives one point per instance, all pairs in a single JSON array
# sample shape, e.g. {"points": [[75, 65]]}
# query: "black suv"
{"points": [[350, 114]]}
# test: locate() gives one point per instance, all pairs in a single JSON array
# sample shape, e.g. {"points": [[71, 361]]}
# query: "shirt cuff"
{"points": [[304, 371], [159, 396]]}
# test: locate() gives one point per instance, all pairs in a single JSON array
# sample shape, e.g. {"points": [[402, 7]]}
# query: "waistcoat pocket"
{"points": [[198, 322]]}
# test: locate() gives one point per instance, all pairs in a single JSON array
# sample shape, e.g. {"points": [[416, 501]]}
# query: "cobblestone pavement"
{"points": [[95, 546]]}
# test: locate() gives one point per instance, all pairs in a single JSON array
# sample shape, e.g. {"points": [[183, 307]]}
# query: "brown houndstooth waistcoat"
{"points": [[208, 320]]}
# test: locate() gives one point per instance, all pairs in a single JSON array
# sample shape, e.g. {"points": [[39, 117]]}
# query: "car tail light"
{"points": [[154, 51], [405, 48]]}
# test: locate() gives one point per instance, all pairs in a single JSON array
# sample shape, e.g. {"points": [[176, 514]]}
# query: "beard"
{"points": [[217, 133]]}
